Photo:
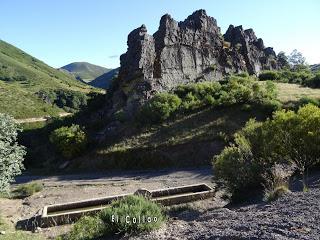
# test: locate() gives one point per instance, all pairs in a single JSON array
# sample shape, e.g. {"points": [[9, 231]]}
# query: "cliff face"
{"points": [[182, 52]]}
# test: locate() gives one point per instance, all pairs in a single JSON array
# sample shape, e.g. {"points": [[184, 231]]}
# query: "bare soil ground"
{"points": [[293, 216], [68, 188]]}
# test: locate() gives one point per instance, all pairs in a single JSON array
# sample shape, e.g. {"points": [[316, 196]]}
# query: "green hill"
{"points": [[22, 76], [104, 80], [85, 71]]}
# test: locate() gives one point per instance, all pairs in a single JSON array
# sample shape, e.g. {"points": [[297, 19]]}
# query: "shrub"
{"points": [[276, 182], [268, 75], [287, 138], [159, 108], [238, 89], [150, 215], [124, 216], [313, 82], [28, 189], [70, 141], [86, 228], [275, 193], [66, 99], [306, 100], [11, 153]]}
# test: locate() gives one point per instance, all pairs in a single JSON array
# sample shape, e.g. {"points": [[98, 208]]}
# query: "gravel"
{"points": [[294, 216]]}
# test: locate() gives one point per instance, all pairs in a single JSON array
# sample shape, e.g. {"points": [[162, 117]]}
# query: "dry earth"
{"points": [[294, 216]]}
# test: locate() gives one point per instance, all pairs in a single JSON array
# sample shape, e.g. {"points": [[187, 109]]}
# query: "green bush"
{"points": [[11, 153], [295, 76], [70, 141], [132, 214], [313, 82], [159, 108], [298, 75], [66, 99], [197, 95], [268, 75], [87, 228], [238, 89], [306, 100], [287, 138], [28, 189], [150, 215]]}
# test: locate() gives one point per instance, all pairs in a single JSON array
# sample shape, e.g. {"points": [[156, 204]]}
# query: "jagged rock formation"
{"points": [[182, 52]]}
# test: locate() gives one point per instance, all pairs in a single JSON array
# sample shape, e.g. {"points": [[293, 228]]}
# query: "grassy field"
{"points": [[289, 92], [22, 75]]}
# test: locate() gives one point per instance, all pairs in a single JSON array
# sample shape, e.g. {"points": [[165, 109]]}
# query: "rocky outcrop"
{"points": [[182, 52]]}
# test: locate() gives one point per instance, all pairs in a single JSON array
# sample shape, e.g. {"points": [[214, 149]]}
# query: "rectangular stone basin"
{"points": [[65, 213]]}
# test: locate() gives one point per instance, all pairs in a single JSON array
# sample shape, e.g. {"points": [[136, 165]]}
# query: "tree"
{"points": [[70, 141], [296, 58], [283, 60], [11, 153]]}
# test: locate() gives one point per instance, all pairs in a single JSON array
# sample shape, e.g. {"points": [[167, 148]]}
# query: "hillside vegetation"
{"points": [[104, 81], [85, 71], [22, 77], [193, 122]]}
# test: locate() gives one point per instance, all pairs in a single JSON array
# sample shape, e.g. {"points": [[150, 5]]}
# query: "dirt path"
{"points": [[39, 119], [171, 176]]}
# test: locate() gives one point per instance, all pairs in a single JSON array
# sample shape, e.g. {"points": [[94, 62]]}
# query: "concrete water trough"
{"points": [[65, 213]]}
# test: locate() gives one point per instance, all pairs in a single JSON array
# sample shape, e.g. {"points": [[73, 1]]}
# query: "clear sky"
{"points": [[63, 31]]}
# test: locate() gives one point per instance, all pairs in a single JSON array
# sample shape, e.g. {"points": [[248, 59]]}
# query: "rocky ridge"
{"points": [[182, 52]]}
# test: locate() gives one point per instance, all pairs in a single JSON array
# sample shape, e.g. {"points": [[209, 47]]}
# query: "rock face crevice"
{"points": [[183, 52]]}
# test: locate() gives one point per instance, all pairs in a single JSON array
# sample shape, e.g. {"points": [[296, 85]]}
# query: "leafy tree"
{"points": [[11, 153], [296, 58], [283, 60], [70, 141]]}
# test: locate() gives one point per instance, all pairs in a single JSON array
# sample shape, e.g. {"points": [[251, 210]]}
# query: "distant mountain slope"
{"points": [[22, 76], [85, 71], [104, 80]]}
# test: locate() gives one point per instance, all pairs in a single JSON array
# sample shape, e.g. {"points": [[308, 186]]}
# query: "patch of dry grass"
{"points": [[289, 92]]}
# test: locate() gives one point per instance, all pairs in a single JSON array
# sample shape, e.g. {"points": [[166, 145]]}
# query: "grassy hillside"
{"points": [[187, 139], [85, 71], [22, 76], [104, 80]]}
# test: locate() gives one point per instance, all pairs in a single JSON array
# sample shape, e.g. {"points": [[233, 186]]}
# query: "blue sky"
{"points": [[63, 31]]}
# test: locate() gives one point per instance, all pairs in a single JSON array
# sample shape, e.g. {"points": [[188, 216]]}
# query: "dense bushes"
{"points": [[11, 153], [313, 82], [70, 141], [268, 75], [287, 138], [299, 76], [66, 99], [184, 98], [132, 214], [160, 107]]}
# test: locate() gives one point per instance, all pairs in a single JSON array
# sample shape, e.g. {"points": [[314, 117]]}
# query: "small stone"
{"points": [[2, 232]]}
